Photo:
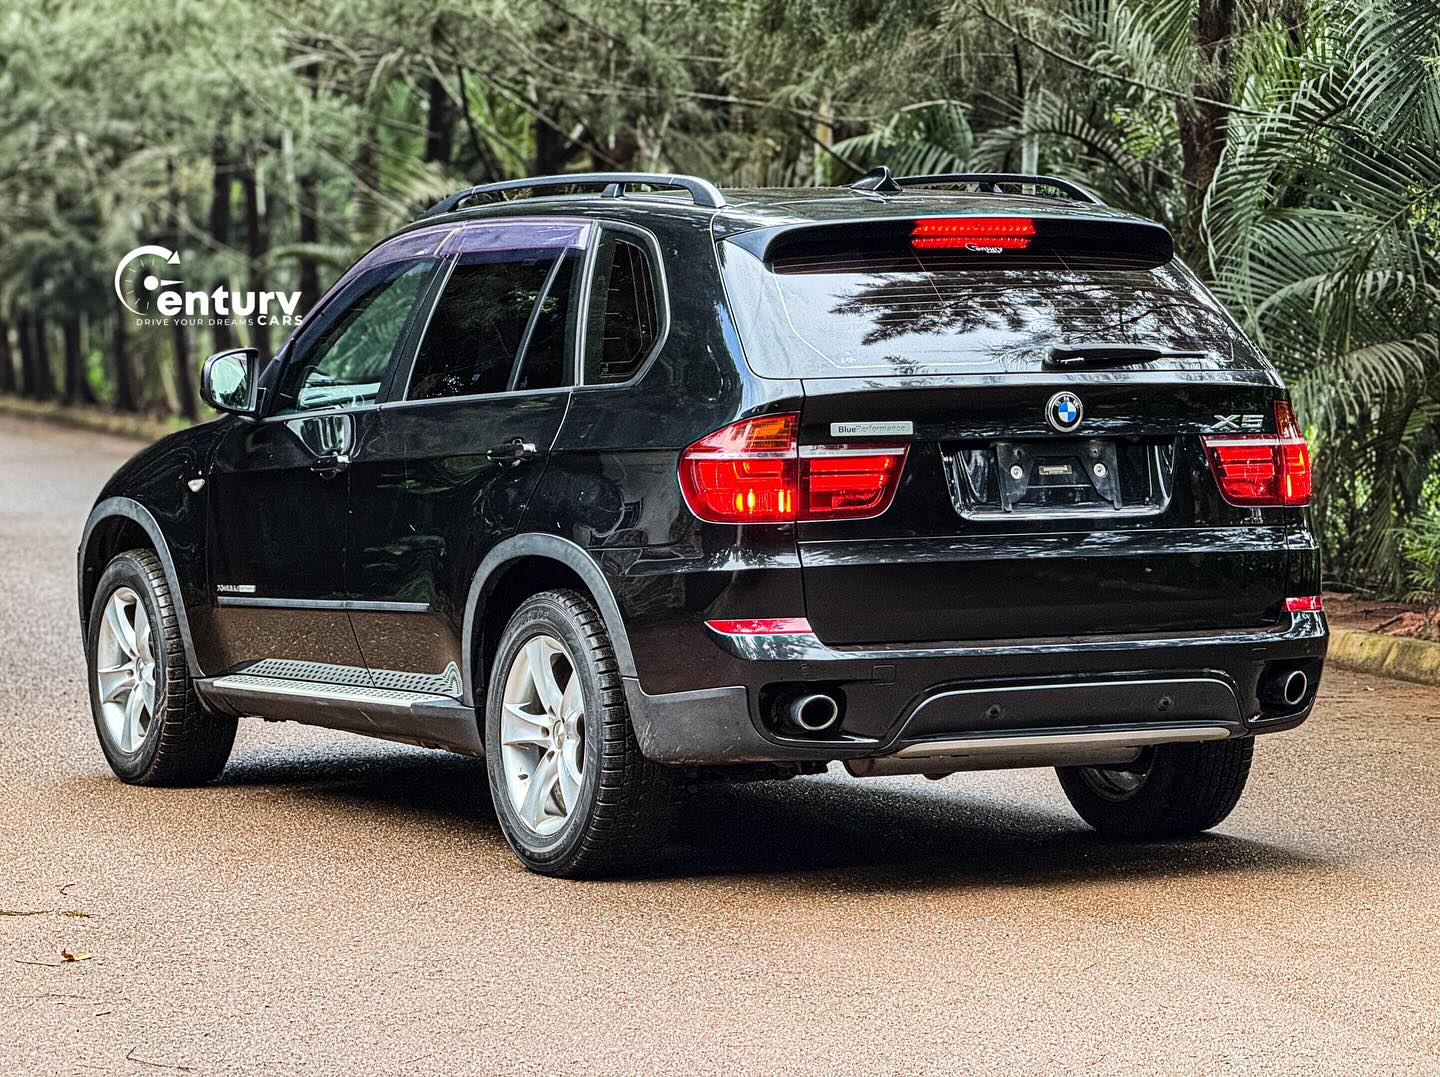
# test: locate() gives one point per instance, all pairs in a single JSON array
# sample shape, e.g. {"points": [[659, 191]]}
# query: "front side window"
{"points": [[341, 358], [624, 317], [502, 323]]}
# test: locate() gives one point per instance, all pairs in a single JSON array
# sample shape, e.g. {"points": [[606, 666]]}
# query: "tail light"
{"points": [[1007, 233], [1304, 604], [1262, 469], [755, 472]]}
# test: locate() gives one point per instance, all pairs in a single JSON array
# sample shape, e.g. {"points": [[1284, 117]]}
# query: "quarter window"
{"points": [[624, 318], [340, 359], [501, 324]]}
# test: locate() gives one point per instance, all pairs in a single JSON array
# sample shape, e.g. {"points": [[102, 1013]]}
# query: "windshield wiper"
{"points": [[1116, 354]]}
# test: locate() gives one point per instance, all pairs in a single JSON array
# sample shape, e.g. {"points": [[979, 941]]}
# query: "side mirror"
{"points": [[230, 380]]}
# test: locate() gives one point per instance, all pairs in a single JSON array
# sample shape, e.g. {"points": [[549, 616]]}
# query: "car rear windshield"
{"points": [[860, 309]]}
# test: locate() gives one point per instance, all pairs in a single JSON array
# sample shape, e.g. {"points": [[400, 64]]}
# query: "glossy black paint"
{"points": [[390, 563]]}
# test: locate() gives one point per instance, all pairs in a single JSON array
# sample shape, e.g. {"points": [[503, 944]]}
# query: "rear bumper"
{"points": [[899, 701]]}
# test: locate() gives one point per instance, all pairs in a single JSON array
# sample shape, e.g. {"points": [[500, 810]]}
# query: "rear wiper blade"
{"points": [[1116, 354]]}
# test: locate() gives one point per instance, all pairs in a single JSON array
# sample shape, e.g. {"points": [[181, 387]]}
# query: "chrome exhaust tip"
{"points": [[1294, 687], [812, 713]]}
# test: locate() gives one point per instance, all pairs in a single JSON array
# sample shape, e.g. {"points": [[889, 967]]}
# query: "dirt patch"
{"points": [[1411, 619]]}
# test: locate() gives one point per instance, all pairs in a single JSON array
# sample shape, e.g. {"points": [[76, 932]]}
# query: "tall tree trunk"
{"points": [[221, 177], [77, 383], [7, 362], [257, 245], [1204, 124], [439, 127], [26, 337], [309, 235], [184, 362], [120, 373], [309, 230], [185, 372], [551, 149], [44, 373]]}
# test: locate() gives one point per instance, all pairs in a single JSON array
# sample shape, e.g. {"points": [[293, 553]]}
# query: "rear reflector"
{"points": [[1000, 233], [761, 626], [1306, 604], [754, 471], [1262, 469]]}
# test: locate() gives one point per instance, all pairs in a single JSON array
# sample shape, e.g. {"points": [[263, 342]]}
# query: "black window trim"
{"points": [[651, 247], [396, 396]]}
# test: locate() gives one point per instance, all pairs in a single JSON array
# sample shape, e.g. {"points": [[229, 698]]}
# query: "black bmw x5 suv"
{"points": [[620, 481]]}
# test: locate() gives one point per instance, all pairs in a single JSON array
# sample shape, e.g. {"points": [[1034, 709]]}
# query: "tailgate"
{"points": [[1004, 527]]}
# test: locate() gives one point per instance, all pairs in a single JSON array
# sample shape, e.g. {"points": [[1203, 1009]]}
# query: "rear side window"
{"points": [[624, 317], [862, 304], [501, 323]]}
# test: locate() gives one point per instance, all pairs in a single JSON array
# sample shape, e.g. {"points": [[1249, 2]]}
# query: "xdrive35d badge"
{"points": [[1064, 412], [624, 492]]}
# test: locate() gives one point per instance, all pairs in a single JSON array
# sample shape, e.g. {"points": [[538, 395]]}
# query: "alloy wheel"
{"points": [[125, 670], [542, 734]]}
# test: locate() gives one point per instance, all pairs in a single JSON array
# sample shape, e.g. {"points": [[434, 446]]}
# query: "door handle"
{"points": [[513, 451], [330, 465]]}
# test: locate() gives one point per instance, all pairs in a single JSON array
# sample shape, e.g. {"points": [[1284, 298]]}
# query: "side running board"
{"points": [[429, 719]]}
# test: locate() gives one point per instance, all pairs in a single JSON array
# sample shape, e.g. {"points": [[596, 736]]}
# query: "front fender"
{"points": [[126, 508]]}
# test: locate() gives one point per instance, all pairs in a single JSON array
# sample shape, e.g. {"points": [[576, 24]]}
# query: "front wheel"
{"points": [[152, 726], [1168, 792], [574, 796]]}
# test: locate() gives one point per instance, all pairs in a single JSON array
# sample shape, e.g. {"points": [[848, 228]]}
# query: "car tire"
{"points": [[574, 795], [152, 726], [1171, 791]]}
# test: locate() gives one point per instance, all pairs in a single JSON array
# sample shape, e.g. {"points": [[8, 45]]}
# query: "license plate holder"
{"points": [[1083, 467]]}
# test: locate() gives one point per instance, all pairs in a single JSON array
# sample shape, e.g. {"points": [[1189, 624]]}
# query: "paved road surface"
{"points": [[342, 906]]}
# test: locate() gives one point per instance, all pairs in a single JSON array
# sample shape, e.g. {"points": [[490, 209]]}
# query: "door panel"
{"points": [[280, 488], [430, 502], [277, 543]]}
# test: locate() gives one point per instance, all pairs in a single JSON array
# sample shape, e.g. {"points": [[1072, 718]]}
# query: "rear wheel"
{"points": [[152, 726], [573, 794], [1168, 792]]}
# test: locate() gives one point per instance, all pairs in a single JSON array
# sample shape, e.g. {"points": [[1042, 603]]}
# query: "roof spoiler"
{"points": [[1079, 233]]}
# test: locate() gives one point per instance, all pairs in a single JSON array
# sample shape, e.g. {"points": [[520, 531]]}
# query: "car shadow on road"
{"points": [[887, 833], [938, 835]]}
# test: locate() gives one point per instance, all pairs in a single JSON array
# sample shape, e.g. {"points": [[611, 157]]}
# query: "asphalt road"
{"points": [[342, 906]]}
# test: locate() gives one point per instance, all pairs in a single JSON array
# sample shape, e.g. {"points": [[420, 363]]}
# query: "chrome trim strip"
{"points": [[259, 602], [1030, 743]]}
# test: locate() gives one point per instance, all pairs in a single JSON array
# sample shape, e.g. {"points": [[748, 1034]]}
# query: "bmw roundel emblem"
{"points": [[1064, 412]]}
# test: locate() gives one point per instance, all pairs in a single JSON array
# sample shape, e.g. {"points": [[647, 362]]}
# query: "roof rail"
{"points": [[702, 192], [991, 181]]}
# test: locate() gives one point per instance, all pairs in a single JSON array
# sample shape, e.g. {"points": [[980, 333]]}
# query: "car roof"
{"points": [[751, 208]]}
